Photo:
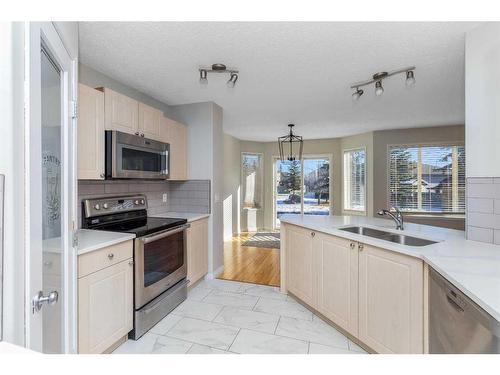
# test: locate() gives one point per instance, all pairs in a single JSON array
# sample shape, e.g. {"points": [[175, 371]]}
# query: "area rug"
{"points": [[269, 240]]}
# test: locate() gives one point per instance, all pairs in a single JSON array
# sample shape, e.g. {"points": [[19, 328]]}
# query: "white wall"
{"points": [[12, 166], [482, 101], [205, 161], [232, 178]]}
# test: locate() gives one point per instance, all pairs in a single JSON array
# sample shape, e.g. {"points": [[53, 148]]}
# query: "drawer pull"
{"points": [[111, 256], [360, 247], [313, 234], [352, 245]]}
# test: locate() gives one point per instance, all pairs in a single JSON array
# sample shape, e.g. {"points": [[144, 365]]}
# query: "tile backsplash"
{"points": [[182, 196], [483, 209]]}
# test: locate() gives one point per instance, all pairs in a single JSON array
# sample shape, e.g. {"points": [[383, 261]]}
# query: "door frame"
{"points": [[35, 33], [275, 158]]}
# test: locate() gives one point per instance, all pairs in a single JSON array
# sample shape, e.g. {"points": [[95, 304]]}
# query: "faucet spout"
{"points": [[397, 216]]}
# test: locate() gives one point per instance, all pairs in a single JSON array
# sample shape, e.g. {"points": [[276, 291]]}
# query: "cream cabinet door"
{"points": [[390, 301], [175, 134], [105, 307], [90, 133], [197, 250], [300, 274], [149, 121], [337, 269], [120, 112]]}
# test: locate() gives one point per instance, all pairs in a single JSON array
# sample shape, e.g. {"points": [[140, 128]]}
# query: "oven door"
{"points": [[137, 157], [160, 262]]}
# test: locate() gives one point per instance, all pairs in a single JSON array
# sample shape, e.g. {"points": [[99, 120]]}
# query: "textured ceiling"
{"points": [[290, 72]]}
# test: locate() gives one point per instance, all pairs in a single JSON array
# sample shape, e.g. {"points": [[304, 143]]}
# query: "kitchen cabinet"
{"points": [[149, 121], [300, 273], [390, 301], [120, 112], [105, 297], [197, 250], [337, 270], [375, 295], [90, 133], [175, 134]]}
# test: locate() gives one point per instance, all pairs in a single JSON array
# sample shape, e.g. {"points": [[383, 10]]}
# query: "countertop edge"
{"points": [[105, 243]]}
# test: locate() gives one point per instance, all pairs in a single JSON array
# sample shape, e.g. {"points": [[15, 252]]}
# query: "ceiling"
{"points": [[290, 72]]}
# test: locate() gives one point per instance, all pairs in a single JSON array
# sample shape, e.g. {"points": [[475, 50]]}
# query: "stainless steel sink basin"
{"points": [[389, 236]]}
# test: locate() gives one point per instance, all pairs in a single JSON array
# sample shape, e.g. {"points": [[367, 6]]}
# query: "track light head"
{"points": [[357, 94], [232, 80], [379, 90], [203, 77], [410, 78]]}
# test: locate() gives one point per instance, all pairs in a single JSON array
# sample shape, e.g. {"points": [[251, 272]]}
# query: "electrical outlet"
{"points": [[164, 197]]}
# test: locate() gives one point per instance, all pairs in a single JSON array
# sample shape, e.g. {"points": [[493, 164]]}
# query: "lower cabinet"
{"points": [[391, 298], [105, 299], [374, 294], [197, 250], [300, 274], [337, 265]]}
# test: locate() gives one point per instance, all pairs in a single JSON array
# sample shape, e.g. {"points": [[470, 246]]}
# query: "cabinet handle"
{"points": [[313, 234], [102, 175], [111, 256], [351, 245], [136, 133], [131, 263], [360, 247], [142, 134]]}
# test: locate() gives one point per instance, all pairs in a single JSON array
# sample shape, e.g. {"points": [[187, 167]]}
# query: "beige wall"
{"points": [[376, 145]]}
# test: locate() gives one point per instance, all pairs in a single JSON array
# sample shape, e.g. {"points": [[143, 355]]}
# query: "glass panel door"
{"points": [[288, 192], [316, 186], [52, 202], [302, 187]]}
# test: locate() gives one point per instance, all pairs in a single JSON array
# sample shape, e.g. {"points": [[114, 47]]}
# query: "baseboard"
{"points": [[213, 275]]}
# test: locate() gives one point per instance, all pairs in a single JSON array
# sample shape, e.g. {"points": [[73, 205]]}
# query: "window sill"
{"points": [[435, 216], [354, 212]]}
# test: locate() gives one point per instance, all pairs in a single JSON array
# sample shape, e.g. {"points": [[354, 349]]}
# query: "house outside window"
{"points": [[427, 179], [355, 180]]}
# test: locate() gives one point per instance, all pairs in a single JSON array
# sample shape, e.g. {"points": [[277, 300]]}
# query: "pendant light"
{"points": [[290, 146]]}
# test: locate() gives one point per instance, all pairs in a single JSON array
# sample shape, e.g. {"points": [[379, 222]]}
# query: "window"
{"points": [[427, 178], [355, 180], [252, 182]]}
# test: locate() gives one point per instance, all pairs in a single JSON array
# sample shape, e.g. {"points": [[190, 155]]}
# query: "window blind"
{"points": [[355, 180], [427, 178], [252, 180]]}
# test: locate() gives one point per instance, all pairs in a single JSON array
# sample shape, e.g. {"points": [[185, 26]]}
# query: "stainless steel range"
{"points": [[160, 263]]}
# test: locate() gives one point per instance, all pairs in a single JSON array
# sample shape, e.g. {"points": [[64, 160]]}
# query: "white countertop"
{"points": [[90, 240], [7, 348], [473, 267], [189, 216]]}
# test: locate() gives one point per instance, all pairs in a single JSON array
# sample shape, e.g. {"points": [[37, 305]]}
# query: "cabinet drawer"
{"points": [[108, 256]]}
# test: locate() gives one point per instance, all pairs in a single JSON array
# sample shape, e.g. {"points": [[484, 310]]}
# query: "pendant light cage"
{"points": [[288, 145]]}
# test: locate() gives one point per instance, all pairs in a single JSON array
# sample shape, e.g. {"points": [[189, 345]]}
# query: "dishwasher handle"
{"points": [[455, 304]]}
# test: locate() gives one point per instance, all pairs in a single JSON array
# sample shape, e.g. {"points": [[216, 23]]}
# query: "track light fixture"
{"points": [[357, 94], [377, 78], [219, 68]]}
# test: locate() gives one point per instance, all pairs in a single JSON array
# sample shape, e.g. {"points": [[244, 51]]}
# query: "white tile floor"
{"points": [[225, 317]]}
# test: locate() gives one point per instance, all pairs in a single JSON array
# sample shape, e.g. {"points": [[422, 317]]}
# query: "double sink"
{"points": [[400, 239]]}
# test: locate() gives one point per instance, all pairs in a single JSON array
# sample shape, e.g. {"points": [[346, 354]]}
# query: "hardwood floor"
{"points": [[256, 265]]}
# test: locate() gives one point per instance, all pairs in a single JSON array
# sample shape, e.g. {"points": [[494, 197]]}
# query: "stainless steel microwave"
{"points": [[133, 156]]}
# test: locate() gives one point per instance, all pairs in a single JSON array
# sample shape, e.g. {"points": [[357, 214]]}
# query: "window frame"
{"points": [[242, 198], [344, 195], [458, 215]]}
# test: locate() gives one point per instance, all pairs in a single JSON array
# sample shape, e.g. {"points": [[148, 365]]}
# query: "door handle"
{"points": [[39, 299]]}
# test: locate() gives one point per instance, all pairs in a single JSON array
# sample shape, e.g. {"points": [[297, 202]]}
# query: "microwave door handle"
{"points": [[159, 236]]}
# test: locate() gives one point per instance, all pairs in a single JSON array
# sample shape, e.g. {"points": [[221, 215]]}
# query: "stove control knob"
{"points": [[105, 205], [142, 201], [97, 206], [136, 202]]}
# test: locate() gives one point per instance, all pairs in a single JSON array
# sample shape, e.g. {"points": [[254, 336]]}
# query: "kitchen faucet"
{"points": [[397, 217]]}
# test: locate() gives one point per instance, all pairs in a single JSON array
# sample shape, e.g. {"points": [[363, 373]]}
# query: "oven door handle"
{"points": [[167, 233]]}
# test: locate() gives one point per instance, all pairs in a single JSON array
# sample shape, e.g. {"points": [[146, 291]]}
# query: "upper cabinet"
{"points": [[120, 112], [149, 121], [175, 134], [90, 133]]}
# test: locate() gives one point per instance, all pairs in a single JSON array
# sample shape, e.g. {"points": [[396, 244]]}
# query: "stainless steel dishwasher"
{"points": [[456, 323]]}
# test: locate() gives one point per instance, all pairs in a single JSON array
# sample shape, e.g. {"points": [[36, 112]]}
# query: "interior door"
{"points": [[50, 190]]}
